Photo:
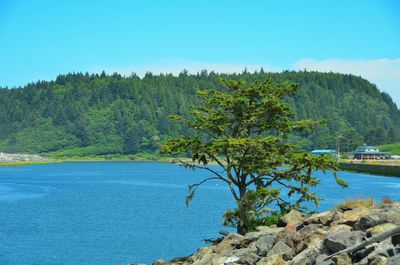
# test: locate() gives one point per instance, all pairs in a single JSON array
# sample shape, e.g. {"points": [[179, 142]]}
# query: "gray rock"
{"points": [[340, 228], [268, 230], [159, 262], [208, 259], [262, 231], [201, 253], [380, 229], [352, 216], [384, 248], [272, 260], [231, 260], [304, 235], [228, 244], [340, 240], [248, 258], [362, 254], [264, 244], [292, 217], [287, 236], [390, 214], [306, 257], [253, 236], [281, 248], [368, 221], [320, 218], [380, 249]]}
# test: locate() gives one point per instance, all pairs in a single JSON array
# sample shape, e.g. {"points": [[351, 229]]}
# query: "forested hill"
{"points": [[82, 114]]}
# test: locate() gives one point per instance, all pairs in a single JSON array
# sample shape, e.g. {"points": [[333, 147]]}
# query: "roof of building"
{"points": [[368, 150], [363, 147], [323, 151]]}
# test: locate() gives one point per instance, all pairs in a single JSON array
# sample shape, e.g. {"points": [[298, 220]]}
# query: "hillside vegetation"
{"points": [[89, 115], [394, 148]]}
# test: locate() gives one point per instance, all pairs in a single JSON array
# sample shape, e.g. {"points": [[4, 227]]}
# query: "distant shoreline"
{"points": [[13, 160], [385, 168]]}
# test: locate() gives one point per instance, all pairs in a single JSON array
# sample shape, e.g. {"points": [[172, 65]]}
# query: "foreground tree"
{"points": [[244, 128]]}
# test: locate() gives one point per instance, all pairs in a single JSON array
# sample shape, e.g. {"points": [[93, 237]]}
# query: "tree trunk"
{"points": [[244, 218], [243, 222]]}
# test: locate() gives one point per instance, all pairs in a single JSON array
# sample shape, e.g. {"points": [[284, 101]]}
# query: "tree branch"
{"points": [[219, 176]]}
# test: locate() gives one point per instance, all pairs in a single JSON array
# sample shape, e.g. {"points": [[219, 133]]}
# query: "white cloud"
{"points": [[385, 73]]}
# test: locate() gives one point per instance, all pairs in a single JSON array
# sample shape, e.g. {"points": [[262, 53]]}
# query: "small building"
{"points": [[369, 152], [323, 152]]}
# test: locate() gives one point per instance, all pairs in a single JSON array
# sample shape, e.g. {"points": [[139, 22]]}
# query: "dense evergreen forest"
{"points": [[85, 115]]}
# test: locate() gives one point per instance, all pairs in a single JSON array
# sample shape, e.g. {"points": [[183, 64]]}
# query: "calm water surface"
{"points": [[121, 212]]}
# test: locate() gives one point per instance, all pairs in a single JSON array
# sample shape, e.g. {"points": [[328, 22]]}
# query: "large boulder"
{"points": [[287, 236], [272, 260], [262, 231], [368, 221], [160, 262], [228, 244], [293, 217], [264, 244], [381, 228], [340, 228], [323, 218], [210, 259], [305, 234], [201, 253], [282, 249], [352, 216], [340, 240], [306, 257], [247, 256]]}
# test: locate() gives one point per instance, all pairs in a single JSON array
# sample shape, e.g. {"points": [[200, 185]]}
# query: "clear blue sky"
{"points": [[40, 39]]}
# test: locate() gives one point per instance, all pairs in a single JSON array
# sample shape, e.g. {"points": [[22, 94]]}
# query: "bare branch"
{"points": [[218, 175]]}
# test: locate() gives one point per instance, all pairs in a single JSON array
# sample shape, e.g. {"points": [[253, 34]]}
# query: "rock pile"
{"points": [[300, 239], [11, 158]]}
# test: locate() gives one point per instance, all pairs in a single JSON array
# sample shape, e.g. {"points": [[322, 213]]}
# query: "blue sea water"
{"points": [[126, 212]]}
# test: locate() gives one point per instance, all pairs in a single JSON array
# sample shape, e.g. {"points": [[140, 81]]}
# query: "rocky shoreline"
{"points": [[341, 236], [6, 158]]}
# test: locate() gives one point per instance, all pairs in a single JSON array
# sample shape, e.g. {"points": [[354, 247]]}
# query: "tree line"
{"points": [[99, 114]]}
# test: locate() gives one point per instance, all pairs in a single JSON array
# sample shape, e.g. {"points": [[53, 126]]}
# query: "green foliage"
{"points": [[244, 128], [257, 214], [394, 148], [130, 114], [271, 219]]}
